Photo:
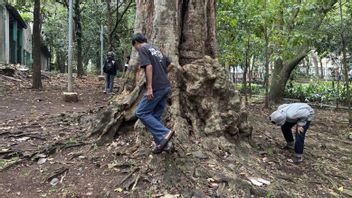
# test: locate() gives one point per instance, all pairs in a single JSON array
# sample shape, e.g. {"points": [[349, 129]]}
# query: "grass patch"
{"points": [[4, 163]]}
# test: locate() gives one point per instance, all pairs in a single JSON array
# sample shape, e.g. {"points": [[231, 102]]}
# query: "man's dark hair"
{"points": [[138, 37]]}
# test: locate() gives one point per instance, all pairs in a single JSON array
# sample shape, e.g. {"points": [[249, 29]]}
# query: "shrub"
{"points": [[316, 91]]}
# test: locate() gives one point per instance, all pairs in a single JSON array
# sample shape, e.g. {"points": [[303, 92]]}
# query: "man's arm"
{"points": [[169, 67], [149, 76]]}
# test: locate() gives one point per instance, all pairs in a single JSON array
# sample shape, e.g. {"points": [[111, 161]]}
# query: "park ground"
{"points": [[45, 152]]}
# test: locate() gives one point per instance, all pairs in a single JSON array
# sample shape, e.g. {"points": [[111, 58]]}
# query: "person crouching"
{"points": [[289, 115]]}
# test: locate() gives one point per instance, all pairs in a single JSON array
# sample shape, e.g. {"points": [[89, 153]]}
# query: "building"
{"points": [[15, 37], [16, 40]]}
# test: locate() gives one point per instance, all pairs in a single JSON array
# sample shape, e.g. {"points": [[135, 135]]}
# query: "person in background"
{"points": [[126, 65], [109, 68], [289, 115], [127, 62]]}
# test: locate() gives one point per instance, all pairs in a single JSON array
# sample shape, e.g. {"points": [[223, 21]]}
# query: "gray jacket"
{"points": [[298, 113]]}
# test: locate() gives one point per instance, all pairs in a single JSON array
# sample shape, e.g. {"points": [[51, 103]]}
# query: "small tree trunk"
{"points": [[251, 68], [266, 64], [109, 25], [77, 19], [36, 81], [245, 73], [345, 67], [306, 64], [316, 64], [338, 92], [228, 70], [60, 61], [97, 63], [245, 89], [321, 68]]}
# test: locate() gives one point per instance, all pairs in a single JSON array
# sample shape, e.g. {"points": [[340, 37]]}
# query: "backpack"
{"points": [[109, 66]]}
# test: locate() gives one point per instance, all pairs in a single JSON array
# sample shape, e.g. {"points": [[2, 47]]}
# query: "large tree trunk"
{"points": [[281, 74], [203, 102], [36, 81]]}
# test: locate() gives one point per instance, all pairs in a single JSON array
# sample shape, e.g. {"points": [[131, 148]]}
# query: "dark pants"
{"points": [[109, 86], [299, 144], [150, 111]]}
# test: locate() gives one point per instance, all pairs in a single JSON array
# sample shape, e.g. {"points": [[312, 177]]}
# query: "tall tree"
{"points": [[36, 81], [185, 30], [266, 57], [286, 60]]}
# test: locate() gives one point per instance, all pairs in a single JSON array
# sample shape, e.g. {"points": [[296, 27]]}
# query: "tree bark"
{"points": [[36, 81], [184, 30], [307, 65], [245, 72], [316, 64], [345, 67], [60, 61], [281, 74], [77, 19], [109, 25], [321, 68], [266, 64], [251, 68]]}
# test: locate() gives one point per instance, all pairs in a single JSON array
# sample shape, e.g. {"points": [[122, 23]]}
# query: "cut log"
{"points": [[70, 96], [101, 78]]}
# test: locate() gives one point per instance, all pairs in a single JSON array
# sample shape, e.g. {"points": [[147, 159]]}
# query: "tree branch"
{"points": [[63, 2], [291, 25], [119, 19]]}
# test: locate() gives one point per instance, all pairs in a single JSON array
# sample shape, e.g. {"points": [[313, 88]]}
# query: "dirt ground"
{"points": [[45, 152]]}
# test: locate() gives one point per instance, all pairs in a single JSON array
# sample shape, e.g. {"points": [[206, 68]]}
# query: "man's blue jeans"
{"points": [[109, 83], [299, 143], [149, 112]]}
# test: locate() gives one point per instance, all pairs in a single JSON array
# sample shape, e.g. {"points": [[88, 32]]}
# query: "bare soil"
{"points": [[45, 152]]}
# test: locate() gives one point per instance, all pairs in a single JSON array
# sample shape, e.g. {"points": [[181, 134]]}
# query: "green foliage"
{"points": [[27, 17], [316, 91], [255, 89]]}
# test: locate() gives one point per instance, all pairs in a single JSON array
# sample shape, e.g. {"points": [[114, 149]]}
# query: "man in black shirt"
{"points": [[109, 69], [152, 105]]}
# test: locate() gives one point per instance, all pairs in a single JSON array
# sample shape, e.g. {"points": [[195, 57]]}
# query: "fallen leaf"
{"points": [[118, 189]]}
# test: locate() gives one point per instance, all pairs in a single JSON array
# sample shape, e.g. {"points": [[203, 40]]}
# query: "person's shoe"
{"points": [[166, 140], [288, 147], [169, 148], [296, 160], [157, 150]]}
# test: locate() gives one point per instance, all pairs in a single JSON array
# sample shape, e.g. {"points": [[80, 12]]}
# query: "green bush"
{"points": [[316, 91], [256, 89]]}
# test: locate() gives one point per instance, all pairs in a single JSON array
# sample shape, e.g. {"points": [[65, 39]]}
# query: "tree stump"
{"points": [[70, 96]]}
